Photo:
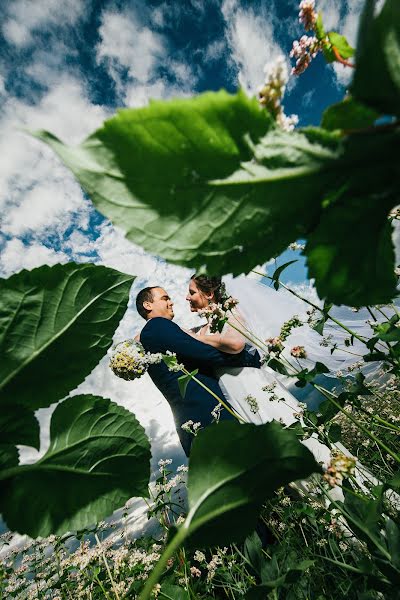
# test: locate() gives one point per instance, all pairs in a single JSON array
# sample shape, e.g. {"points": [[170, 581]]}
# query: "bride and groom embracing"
{"points": [[227, 365]]}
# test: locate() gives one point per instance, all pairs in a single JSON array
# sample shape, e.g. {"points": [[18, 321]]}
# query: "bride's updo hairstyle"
{"points": [[208, 285]]}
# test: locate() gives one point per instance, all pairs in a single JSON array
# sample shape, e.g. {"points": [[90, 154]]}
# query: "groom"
{"points": [[161, 334]]}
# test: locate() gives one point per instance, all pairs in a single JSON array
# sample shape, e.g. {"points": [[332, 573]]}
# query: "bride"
{"points": [[261, 395], [249, 390]]}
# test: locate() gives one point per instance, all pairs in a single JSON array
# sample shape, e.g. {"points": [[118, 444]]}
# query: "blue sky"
{"points": [[66, 66]]}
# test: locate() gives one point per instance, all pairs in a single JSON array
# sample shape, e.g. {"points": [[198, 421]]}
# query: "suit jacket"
{"points": [[160, 335]]}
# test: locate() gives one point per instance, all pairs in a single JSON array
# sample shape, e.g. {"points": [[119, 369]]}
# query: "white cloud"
{"points": [[252, 43], [16, 256], [133, 53], [37, 192], [125, 43], [342, 16], [24, 17]]}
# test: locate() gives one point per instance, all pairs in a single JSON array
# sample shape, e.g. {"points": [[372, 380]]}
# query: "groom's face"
{"points": [[161, 306]]}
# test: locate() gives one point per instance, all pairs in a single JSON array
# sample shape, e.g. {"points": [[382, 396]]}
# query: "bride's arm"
{"points": [[229, 341]]}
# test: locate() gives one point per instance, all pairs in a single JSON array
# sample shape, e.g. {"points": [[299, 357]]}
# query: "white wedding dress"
{"points": [[260, 395]]}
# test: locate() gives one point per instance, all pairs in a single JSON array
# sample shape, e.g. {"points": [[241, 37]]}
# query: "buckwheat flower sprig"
{"points": [[340, 467], [304, 50], [217, 314], [129, 360], [307, 15], [271, 93], [334, 46]]}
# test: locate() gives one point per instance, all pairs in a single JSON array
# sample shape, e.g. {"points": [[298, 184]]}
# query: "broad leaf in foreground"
{"points": [[349, 115], [187, 180], [377, 77], [233, 468], [197, 182], [18, 425], [99, 457], [148, 170], [350, 252], [56, 324]]}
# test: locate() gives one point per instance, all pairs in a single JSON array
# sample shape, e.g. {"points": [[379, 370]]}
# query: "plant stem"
{"points": [[201, 384], [328, 315], [330, 397], [158, 569], [114, 587], [340, 59]]}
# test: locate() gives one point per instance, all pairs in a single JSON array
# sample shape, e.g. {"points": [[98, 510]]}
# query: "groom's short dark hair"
{"points": [[145, 295]]}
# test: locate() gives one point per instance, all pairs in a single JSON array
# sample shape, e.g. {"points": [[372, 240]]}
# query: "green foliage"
{"points": [[150, 171], [341, 44], [277, 273], [58, 322], [99, 457], [232, 469], [348, 114], [237, 197], [376, 80], [183, 381], [319, 28], [18, 425]]}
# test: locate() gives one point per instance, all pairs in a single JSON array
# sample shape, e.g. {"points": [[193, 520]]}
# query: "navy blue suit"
{"points": [[160, 335]]}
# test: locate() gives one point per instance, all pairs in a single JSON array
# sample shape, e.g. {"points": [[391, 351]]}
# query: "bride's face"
{"points": [[196, 298]]}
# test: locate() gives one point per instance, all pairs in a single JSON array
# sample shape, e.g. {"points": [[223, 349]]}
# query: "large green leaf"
{"points": [[377, 77], [196, 182], [56, 324], [350, 252], [99, 457], [348, 114], [18, 425], [351, 246], [184, 179], [233, 468]]}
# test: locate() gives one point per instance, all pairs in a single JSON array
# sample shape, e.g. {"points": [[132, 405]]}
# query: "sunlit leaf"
{"points": [[99, 457], [233, 468], [57, 323], [348, 115]]}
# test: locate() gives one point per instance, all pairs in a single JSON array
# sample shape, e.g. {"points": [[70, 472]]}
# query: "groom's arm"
{"points": [[170, 337]]}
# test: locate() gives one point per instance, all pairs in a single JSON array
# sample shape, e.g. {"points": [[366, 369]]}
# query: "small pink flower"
{"points": [[195, 572], [298, 352], [307, 15]]}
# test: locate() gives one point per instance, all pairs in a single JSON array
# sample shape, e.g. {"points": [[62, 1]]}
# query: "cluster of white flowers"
{"points": [[191, 427], [340, 467], [216, 313], [304, 50], [326, 340], [298, 352], [253, 404], [200, 557], [271, 93], [129, 360], [296, 246], [172, 363], [274, 345], [307, 15], [216, 412], [164, 463]]}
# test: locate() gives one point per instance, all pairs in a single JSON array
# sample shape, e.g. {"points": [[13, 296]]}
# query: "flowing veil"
{"points": [[265, 310]]}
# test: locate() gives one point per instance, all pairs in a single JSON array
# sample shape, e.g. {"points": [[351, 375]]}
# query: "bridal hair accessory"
{"points": [[129, 360]]}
